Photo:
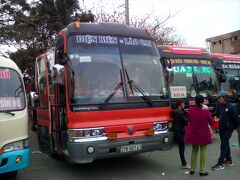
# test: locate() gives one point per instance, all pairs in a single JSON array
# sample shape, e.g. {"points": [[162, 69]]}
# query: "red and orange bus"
{"points": [[230, 65], [193, 74], [101, 93]]}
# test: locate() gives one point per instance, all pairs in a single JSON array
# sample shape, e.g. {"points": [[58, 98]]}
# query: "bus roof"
{"points": [[182, 52], [111, 29], [8, 63], [228, 57]]}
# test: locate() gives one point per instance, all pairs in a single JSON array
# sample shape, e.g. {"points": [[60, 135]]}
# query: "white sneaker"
{"points": [[186, 167]]}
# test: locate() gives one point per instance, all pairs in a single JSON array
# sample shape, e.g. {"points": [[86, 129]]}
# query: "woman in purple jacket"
{"points": [[198, 133]]}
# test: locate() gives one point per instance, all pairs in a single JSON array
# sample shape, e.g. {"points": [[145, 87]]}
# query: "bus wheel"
{"points": [[34, 120], [34, 127], [56, 156]]}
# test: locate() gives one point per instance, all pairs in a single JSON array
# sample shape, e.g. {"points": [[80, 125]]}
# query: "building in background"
{"points": [[226, 44]]}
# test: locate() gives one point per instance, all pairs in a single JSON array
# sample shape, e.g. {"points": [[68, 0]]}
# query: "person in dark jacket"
{"points": [[238, 129], [232, 96], [179, 123], [227, 116]]}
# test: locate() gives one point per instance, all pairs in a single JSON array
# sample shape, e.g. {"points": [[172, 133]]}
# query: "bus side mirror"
{"points": [[34, 99], [222, 78], [61, 57], [167, 65], [170, 74], [57, 74]]}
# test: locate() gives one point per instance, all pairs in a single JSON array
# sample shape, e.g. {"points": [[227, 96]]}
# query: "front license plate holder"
{"points": [[130, 148]]}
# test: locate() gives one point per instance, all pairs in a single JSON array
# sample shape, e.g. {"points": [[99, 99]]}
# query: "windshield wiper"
{"points": [[119, 85], [8, 112], [195, 81], [17, 94], [202, 86], [135, 86]]}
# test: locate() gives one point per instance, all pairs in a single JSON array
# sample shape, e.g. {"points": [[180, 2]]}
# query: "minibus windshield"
{"points": [[12, 96], [99, 64]]}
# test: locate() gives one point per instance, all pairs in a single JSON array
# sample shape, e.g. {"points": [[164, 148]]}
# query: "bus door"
{"points": [[58, 117], [43, 110], [57, 96]]}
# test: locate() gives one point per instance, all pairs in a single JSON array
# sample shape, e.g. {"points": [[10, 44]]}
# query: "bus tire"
{"points": [[56, 156], [34, 119], [34, 127]]}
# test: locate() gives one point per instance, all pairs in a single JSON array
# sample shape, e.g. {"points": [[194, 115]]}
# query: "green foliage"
{"points": [[87, 17], [30, 27], [24, 58]]}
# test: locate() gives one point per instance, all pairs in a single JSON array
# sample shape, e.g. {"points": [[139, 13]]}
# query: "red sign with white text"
{"points": [[5, 74]]}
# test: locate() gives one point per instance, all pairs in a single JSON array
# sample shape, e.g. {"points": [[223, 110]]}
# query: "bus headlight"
{"points": [[15, 146], [160, 127], [96, 132], [83, 133]]}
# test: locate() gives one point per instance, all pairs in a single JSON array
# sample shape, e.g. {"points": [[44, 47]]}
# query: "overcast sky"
{"points": [[195, 20]]}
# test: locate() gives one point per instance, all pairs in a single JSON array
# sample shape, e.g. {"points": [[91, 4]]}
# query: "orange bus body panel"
{"points": [[117, 117]]}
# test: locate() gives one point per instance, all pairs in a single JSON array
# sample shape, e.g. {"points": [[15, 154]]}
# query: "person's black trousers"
{"points": [[179, 139], [225, 151]]}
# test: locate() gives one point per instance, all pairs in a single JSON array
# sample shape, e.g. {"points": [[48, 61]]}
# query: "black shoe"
{"points": [[218, 167], [192, 172], [203, 173], [228, 163]]}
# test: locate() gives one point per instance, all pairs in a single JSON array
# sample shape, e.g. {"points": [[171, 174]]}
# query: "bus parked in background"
{"points": [[230, 65], [14, 150], [193, 74], [101, 93]]}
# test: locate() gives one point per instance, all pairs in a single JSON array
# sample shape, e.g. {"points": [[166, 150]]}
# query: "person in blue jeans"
{"points": [[179, 123], [227, 116]]}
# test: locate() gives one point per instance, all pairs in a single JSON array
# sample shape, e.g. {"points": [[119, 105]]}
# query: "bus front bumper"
{"points": [[79, 152], [14, 160]]}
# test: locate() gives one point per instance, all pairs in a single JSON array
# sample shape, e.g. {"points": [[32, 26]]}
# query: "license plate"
{"points": [[130, 148]]}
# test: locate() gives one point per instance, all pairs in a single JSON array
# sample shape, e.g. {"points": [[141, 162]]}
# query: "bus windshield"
{"points": [[100, 64], [233, 81], [192, 77], [12, 96]]}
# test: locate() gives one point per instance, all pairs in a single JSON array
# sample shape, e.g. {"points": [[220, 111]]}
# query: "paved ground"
{"points": [[147, 166]]}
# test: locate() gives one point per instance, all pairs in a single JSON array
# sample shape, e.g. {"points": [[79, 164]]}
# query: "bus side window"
{"points": [[42, 84], [60, 57]]}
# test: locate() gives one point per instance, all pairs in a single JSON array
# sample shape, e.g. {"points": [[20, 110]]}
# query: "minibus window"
{"points": [[11, 92]]}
